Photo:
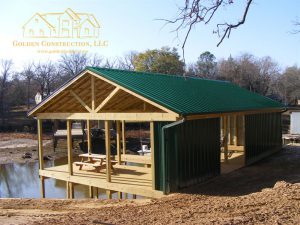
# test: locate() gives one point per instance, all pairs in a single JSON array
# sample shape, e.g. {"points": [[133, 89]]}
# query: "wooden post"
{"points": [[41, 155], [91, 192], [71, 190], [152, 143], [93, 91], [119, 195], [234, 131], [40, 143], [107, 147], [123, 137], [69, 143], [89, 136], [108, 194], [118, 141], [134, 196], [226, 138], [96, 193], [68, 189], [42, 183]]}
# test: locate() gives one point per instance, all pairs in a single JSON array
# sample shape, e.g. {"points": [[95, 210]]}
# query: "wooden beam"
{"points": [[123, 137], [89, 136], [107, 148], [69, 143], [93, 92], [135, 94], [140, 116], [152, 144], [118, 124], [40, 143], [81, 101], [42, 186], [104, 102]]}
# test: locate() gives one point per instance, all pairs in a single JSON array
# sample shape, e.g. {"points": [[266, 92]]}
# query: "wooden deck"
{"points": [[126, 179]]}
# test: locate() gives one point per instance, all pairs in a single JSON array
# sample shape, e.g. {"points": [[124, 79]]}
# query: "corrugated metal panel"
{"points": [[262, 136], [188, 95], [189, 154], [295, 122]]}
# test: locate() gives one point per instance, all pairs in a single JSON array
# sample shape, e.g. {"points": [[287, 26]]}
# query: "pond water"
{"points": [[22, 181]]}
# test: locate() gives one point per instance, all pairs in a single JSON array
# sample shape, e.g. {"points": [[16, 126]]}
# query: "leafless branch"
{"points": [[203, 11]]}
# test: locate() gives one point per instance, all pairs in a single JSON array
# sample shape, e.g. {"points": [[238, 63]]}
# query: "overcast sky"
{"points": [[132, 25]]}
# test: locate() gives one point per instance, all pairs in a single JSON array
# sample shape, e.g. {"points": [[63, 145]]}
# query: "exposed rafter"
{"points": [[81, 101], [105, 101]]}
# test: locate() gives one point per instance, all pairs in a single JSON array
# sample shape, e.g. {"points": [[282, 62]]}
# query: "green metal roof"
{"points": [[188, 95]]}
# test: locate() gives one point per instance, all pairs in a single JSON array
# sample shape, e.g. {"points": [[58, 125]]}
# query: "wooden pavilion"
{"points": [[192, 121]]}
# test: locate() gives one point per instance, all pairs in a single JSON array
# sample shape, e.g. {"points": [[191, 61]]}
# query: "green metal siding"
{"points": [[189, 154], [188, 95], [262, 136]]}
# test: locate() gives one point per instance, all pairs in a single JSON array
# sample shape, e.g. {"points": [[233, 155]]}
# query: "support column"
{"points": [[152, 143], [107, 147], [108, 194], [123, 137], [70, 187], [235, 130], [69, 143], [91, 192], [119, 195], [118, 141], [96, 193], [226, 139], [89, 136], [41, 155]]}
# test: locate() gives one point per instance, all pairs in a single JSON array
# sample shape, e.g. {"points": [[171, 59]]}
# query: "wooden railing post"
{"points": [[118, 141], [152, 143], [89, 136], [70, 186], [107, 147], [123, 137], [41, 155]]}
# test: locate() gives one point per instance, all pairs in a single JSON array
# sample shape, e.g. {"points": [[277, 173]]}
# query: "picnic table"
{"points": [[95, 160]]}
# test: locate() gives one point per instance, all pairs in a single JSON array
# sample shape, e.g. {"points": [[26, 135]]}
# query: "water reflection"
{"points": [[22, 181]]}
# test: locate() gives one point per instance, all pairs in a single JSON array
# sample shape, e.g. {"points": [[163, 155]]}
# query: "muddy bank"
{"points": [[265, 193], [25, 149]]}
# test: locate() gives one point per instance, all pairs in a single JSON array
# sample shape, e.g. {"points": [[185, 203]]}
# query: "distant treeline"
{"points": [[260, 75]]}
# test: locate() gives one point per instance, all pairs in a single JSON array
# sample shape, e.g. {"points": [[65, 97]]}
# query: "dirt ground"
{"points": [[265, 193]]}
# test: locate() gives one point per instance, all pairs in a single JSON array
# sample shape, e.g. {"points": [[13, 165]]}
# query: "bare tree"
{"points": [[110, 63], [202, 12], [95, 60], [71, 64], [5, 71], [126, 62], [28, 75], [45, 75]]}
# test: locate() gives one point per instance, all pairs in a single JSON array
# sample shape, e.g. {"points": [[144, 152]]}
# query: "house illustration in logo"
{"points": [[67, 24]]}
